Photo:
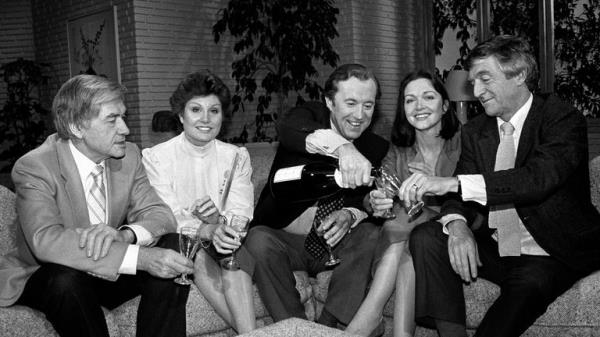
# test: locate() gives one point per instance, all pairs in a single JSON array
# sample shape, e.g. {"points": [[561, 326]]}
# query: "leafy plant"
{"points": [[577, 41], [22, 119], [278, 41], [88, 53]]}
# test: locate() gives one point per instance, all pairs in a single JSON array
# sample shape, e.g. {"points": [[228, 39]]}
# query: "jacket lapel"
{"points": [[528, 134], [488, 144], [73, 186], [116, 196]]}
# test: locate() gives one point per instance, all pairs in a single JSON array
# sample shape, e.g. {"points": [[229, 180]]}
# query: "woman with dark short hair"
{"points": [[190, 173]]}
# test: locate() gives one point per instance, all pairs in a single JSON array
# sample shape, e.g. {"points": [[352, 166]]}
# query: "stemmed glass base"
{"points": [[229, 263], [332, 259], [183, 280]]}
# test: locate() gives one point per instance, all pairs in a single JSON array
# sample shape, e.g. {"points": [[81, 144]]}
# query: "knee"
{"points": [[262, 243], [169, 241], [66, 282], [529, 289], [422, 236]]}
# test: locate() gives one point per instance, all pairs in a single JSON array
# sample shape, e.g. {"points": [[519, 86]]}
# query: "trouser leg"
{"points": [[276, 256], [162, 306], [350, 279], [438, 290], [68, 298], [528, 286]]}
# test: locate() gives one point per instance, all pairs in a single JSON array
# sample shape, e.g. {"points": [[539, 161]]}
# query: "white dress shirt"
{"points": [[474, 189], [325, 142], [144, 237]]}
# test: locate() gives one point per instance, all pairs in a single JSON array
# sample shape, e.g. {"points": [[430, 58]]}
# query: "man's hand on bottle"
{"points": [[335, 226], [355, 168]]}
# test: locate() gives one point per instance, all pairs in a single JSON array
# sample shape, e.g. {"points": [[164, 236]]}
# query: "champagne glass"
{"points": [[333, 260], [189, 239], [414, 208], [384, 185], [240, 224]]}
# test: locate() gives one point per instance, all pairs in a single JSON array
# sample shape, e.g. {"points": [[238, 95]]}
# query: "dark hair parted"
{"points": [[514, 54], [79, 99], [199, 85], [403, 133], [165, 121], [343, 73]]}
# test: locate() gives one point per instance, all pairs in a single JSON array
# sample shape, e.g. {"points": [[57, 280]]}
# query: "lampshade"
{"points": [[458, 87]]}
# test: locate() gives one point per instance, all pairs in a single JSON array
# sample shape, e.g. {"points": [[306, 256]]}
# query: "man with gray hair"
{"points": [[89, 221], [524, 164]]}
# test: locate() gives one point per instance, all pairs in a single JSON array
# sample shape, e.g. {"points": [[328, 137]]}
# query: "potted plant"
{"points": [[278, 42], [23, 121]]}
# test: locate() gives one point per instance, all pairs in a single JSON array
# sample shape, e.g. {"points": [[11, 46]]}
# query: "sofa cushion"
{"points": [[18, 320], [8, 217]]}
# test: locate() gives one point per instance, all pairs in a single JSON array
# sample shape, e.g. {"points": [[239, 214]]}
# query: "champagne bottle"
{"points": [[309, 181]]}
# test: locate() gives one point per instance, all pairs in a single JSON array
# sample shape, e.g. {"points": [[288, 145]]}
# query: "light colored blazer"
{"points": [[175, 166], [51, 205]]}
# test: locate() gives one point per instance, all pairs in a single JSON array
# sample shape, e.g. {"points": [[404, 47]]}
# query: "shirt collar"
{"points": [[518, 119], [335, 129], [84, 164]]}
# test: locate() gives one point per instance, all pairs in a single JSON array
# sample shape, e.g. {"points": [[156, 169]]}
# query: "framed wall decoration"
{"points": [[94, 44]]}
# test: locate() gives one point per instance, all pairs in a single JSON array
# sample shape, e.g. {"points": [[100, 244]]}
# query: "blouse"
{"points": [[182, 172]]}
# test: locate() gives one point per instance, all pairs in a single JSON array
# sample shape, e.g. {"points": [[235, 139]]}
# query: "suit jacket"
{"points": [[549, 185], [293, 128], [51, 204]]}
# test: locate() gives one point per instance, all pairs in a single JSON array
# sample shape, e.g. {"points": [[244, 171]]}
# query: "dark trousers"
{"points": [[72, 299], [528, 284], [278, 253]]}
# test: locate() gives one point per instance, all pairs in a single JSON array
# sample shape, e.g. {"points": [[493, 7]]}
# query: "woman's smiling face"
{"points": [[423, 105], [202, 119]]}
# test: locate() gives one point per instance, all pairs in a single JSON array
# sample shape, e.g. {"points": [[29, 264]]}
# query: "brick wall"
{"points": [[16, 35], [162, 40]]}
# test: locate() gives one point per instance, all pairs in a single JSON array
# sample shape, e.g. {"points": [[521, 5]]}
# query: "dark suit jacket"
{"points": [[293, 128], [549, 185], [51, 206]]}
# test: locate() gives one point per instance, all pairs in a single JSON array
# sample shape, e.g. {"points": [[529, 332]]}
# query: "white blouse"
{"points": [[181, 173]]}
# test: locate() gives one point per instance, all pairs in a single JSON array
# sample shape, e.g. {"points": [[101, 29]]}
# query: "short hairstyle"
{"points": [[343, 73], [79, 99], [514, 54], [165, 121], [199, 85], [403, 133]]}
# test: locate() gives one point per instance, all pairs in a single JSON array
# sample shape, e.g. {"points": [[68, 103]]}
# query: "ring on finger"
{"points": [[415, 186]]}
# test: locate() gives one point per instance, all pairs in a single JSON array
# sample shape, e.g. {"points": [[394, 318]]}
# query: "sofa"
{"points": [[575, 313]]}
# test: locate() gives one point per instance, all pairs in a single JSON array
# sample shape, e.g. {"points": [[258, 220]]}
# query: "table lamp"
{"points": [[460, 91]]}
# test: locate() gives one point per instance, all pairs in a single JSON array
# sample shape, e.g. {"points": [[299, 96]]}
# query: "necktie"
{"points": [[97, 197], [313, 243], [504, 217]]}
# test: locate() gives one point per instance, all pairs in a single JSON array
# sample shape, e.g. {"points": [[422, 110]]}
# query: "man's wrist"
{"points": [[128, 234]]}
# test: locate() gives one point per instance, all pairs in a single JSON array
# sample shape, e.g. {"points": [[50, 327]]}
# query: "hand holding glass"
{"points": [[385, 186], [333, 260], [240, 224], [415, 207], [189, 239]]}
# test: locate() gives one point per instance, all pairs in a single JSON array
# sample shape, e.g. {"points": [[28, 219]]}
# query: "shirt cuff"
{"points": [[324, 142], [358, 215], [144, 237], [446, 219], [473, 188], [129, 264]]}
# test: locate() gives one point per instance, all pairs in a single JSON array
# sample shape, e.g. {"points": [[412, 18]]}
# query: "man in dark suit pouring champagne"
{"points": [[281, 240]]}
